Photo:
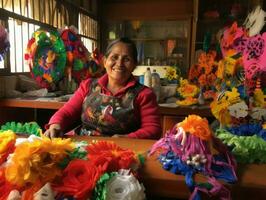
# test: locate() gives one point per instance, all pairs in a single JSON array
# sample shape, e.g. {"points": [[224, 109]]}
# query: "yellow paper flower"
{"points": [[259, 98], [37, 160], [5, 138], [171, 74], [186, 89], [219, 107], [187, 101]]}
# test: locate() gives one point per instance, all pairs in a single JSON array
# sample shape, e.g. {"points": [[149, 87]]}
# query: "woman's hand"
{"points": [[53, 131], [117, 135]]}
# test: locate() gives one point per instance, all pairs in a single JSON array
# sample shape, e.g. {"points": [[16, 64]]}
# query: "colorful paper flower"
{"points": [[108, 153], [171, 74], [7, 144], [238, 110], [189, 148], [197, 126], [124, 186], [35, 160], [79, 179], [258, 113], [186, 89], [46, 57], [5, 186]]}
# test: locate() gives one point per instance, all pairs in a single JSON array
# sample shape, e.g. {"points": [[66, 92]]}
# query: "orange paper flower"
{"points": [[112, 156], [197, 126]]}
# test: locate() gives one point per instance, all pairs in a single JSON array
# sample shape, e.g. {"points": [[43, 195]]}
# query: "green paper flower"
{"points": [[246, 149]]}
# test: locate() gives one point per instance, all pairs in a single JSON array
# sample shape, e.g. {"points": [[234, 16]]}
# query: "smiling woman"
{"points": [[113, 105]]}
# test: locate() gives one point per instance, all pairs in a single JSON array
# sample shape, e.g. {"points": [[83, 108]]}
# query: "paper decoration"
{"points": [[238, 110], [124, 186], [46, 57], [4, 42]]}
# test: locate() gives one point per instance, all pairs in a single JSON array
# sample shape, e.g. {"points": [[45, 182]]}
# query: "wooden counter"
{"points": [[161, 183], [31, 103]]}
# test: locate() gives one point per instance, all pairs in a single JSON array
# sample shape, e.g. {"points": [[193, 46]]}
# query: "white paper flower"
{"points": [[124, 186], [258, 113], [238, 109]]}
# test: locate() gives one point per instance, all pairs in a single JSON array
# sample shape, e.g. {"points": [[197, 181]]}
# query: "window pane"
{"points": [[19, 34]]}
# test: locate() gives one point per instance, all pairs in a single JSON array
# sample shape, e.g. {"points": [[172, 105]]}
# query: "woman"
{"points": [[113, 105]]}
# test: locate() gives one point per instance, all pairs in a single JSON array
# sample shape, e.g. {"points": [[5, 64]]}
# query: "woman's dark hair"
{"points": [[126, 41]]}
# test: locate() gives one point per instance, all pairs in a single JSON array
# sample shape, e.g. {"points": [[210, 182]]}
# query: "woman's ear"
{"points": [[104, 61]]}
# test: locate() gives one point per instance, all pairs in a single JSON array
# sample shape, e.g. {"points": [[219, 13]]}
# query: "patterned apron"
{"points": [[108, 115]]}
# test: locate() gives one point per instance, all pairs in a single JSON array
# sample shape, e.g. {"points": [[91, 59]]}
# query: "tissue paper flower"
{"points": [[35, 160], [238, 109], [123, 186], [190, 148], [109, 153], [171, 74], [77, 167], [7, 144], [197, 126], [258, 113], [79, 179], [186, 89]]}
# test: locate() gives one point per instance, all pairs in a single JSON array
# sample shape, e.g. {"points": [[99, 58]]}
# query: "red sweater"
{"points": [[145, 105]]}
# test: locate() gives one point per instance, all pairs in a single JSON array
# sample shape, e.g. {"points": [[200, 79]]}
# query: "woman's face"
{"points": [[120, 63]]}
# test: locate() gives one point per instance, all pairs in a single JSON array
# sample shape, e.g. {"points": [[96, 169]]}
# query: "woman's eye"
{"points": [[127, 59], [114, 58]]}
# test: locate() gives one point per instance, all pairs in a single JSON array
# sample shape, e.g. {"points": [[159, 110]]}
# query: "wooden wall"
{"points": [[147, 9]]}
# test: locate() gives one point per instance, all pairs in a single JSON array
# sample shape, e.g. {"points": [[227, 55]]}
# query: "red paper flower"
{"points": [[109, 154], [5, 186], [9, 149], [79, 179]]}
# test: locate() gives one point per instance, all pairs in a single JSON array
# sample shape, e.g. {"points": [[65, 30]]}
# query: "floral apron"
{"points": [[108, 115]]}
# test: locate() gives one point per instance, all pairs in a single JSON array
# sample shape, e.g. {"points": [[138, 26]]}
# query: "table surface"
{"points": [[159, 182]]}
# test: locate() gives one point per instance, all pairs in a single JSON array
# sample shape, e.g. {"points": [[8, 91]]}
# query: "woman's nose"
{"points": [[119, 61]]}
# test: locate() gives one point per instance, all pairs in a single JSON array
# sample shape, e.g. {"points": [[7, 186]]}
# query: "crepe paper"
{"points": [[14, 195], [204, 73], [5, 186], [78, 153], [46, 57], [245, 129], [124, 186], [45, 192], [187, 101], [80, 63], [35, 160], [171, 74], [186, 89], [20, 128], [255, 21], [109, 154], [7, 145], [246, 149], [212, 188], [189, 148], [100, 192], [233, 38], [141, 159], [79, 179], [238, 110], [262, 133]]}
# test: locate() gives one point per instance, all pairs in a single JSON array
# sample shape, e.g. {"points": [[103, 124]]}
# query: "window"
{"points": [[88, 30], [23, 17]]}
